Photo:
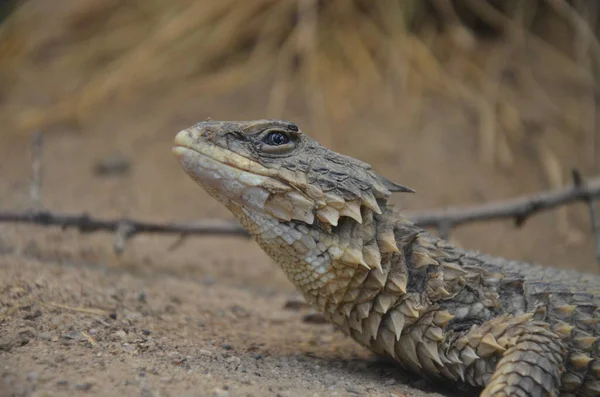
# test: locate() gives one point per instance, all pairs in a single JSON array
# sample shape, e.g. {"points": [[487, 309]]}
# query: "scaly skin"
{"points": [[503, 327]]}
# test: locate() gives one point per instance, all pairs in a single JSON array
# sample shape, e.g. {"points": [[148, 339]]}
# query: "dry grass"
{"points": [[339, 55]]}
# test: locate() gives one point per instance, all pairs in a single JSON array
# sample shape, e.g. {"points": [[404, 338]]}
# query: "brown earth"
{"points": [[213, 316]]}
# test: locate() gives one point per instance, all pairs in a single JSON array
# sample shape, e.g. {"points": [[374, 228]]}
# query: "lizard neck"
{"points": [[381, 261], [335, 267]]}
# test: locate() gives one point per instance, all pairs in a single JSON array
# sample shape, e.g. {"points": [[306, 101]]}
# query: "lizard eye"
{"points": [[276, 138], [276, 142]]}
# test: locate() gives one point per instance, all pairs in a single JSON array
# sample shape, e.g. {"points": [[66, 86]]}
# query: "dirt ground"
{"points": [[213, 316]]}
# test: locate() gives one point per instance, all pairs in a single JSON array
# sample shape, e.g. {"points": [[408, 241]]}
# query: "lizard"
{"points": [[496, 326]]}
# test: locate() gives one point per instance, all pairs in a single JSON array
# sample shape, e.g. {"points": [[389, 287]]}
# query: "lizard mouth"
{"points": [[204, 161], [189, 139], [230, 177]]}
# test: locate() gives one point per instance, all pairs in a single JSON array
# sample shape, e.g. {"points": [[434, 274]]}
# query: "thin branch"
{"points": [[35, 187], [87, 224], [519, 209], [579, 182]]}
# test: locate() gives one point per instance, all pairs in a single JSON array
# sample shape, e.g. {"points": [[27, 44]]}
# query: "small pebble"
{"points": [[220, 393], [179, 361], [204, 352], [170, 309], [114, 164], [83, 386], [294, 304], [71, 335], [141, 297], [315, 318], [33, 316], [226, 346], [233, 360]]}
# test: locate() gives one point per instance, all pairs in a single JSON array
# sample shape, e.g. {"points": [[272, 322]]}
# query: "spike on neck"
{"points": [[324, 262]]}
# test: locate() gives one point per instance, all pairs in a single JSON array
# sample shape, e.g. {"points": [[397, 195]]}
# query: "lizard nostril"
{"points": [[210, 135]]}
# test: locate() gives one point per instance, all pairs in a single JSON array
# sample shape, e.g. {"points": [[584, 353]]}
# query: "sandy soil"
{"points": [[213, 316]]}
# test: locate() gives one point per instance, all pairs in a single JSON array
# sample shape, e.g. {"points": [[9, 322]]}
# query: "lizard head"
{"points": [[314, 211], [271, 166]]}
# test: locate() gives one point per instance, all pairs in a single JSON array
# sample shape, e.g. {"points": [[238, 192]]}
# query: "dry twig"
{"points": [[98, 312], [519, 209], [126, 227], [35, 187], [89, 338], [578, 182]]}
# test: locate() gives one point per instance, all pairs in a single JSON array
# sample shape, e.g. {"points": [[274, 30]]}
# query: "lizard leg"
{"points": [[531, 368]]}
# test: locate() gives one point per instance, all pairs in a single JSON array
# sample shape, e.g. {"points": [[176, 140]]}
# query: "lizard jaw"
{"points": [[236, 180]]}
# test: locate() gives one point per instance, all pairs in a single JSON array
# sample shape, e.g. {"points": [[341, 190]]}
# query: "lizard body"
{"points": [[504, 327]]}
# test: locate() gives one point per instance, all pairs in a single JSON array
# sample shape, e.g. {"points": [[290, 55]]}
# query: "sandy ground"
{"points": [[213, 316]]}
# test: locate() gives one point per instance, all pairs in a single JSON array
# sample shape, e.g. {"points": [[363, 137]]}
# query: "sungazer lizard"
{"points": [[504, 327]]}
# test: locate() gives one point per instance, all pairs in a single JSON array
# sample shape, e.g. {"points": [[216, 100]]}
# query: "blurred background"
{"points": [[465, 101]]}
